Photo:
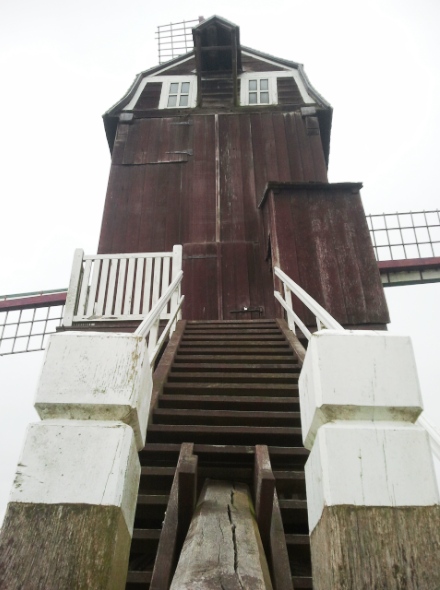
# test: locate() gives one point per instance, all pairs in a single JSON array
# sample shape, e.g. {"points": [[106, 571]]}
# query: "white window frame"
{"points": [[273, 88], [166, 86], [166, 82]]}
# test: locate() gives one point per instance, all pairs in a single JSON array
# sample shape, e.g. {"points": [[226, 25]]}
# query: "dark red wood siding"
{"points": [[197, 180], [320, 238]]}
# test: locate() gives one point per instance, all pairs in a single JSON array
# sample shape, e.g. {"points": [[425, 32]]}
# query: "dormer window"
{"points": [[258, 88], [178, 92], [259, 91]]}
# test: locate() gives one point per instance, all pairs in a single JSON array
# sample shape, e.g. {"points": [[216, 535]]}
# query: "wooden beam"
{"points": [[167, 551], [222, 548], [35, 301], [264, 487], [279, 557]]}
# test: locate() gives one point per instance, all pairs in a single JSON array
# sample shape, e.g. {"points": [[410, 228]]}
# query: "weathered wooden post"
{"points": [[372, 494], [70, 518], [223, 548]]}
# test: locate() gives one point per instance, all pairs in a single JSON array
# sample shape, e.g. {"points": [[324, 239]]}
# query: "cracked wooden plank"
{"points": [[223, 549]]}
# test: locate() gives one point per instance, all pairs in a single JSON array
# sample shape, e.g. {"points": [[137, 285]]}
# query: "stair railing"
{"points": [[149, 327], [323, 318], [118, 287]]}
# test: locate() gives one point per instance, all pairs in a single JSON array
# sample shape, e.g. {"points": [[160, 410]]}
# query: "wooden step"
{"points": [[167, 454], [232, 388], [192, 323], [233, 330], [294, 513], [225, 417], [150, 508], [156, 480], [205, 367], [302, 582], [145, 540], [216, 343], [290, 483], [138, 578], [222, 435], [229, 402], [224, 377], [272, 336], [211, 357]]}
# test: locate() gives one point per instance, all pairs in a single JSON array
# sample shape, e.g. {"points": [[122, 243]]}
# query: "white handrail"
{"points": [[323, 318], [149, 327]]}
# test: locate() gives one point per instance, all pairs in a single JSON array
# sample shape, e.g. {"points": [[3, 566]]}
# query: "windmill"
{"points": [[282, 94]]}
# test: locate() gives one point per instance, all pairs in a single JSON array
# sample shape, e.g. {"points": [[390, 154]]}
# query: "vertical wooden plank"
{"points": [[316, 148], [323, 213], [231, 189], [175, 269], [120, 287], [304, 149], [82, 301], [281, 151], [264, 487], [156, 280], [147, 285], [165, 283], [93, 288], [270, 153], [295, 162], [371, 283], [102, 289], [258, 155], [235, 281], [74, 286], [129, 286], [140, 262], [279, 557], [199, 283], [187, 497], [111, 286], [166, 556]]}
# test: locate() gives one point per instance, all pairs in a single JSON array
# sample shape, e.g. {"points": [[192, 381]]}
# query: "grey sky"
{"points": [[63, 64]]}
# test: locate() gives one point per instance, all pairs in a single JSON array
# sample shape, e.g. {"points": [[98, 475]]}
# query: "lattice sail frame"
{"points": [[27, 328], [404, 236], [175, 39]]}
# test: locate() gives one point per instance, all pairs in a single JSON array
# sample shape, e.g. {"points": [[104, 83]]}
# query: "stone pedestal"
{"points": [[371, 488]]}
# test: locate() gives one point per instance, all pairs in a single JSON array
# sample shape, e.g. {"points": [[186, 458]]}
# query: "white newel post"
{"points": [[371, 489], [70, 518]]}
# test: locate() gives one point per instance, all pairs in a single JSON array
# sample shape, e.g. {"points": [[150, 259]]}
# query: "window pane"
{"points": [[252, 98], [174, 88], [183, 100], [264, 84], [264, 97], [252, 84], [172, 101], [185, 87]]}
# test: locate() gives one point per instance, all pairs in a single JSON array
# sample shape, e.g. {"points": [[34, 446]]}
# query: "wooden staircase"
{"points": [[226, 387]]}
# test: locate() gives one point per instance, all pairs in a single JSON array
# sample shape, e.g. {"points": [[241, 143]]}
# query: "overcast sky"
{"points": [[63, 64]]}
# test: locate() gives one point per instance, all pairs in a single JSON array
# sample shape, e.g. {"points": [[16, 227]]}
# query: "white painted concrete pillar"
{"points": [[71, 511], [371, 488]]}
